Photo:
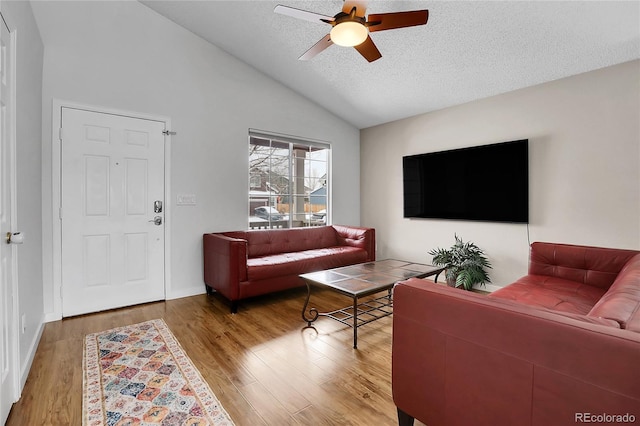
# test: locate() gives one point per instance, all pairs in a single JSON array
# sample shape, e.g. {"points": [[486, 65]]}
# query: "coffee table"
{"points": [[361, 280]]}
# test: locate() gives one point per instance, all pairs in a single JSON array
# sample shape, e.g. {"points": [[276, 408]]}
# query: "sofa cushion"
{"points": [[622, 302], [301, 262], [595, 266], [552, 293], [274, 241]]}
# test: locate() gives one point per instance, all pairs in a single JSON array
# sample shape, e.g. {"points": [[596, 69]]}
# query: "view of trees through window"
{"points": [[288, 182]]}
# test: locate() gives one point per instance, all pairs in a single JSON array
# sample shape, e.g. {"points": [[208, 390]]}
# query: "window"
{"points": [[288, 182]]}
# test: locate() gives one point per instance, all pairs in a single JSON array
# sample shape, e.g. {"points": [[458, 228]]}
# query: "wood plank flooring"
{"points": [[262, 364]]}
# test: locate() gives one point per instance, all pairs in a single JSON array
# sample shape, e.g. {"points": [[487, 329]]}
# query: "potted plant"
{"points": [[465, 263]]}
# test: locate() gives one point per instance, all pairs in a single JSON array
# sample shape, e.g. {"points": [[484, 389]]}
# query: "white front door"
{"points": [[8, 318], [112, 183]]}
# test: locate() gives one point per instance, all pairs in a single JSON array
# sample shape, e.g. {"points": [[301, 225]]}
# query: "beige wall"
{"points": [[584, 161], [122, 55]]}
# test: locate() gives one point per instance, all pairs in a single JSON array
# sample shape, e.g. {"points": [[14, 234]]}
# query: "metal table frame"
{"points": [[359, 313]]}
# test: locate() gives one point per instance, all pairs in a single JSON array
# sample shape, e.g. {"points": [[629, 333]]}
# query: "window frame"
{"points": [[291, 142]]}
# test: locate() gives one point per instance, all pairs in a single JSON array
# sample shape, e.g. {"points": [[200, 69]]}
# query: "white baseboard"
{"points": [[183, 292], [186, 292], [33, 347], [488, 287], [52, 316]]}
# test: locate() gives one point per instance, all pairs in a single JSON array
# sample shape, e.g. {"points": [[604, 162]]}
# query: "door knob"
{"points": [[157, 220], [15, 238]]}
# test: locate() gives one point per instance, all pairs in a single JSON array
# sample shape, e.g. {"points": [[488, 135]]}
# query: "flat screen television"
{"points": [[484, 183]]}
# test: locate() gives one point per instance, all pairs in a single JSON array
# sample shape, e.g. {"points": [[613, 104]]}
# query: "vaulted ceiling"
{"points": [[468, 50]]}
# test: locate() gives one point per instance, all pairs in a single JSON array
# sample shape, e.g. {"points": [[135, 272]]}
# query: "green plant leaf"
{"points": [[465, 263]]}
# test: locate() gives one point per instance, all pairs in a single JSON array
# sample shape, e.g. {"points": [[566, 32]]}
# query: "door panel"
{"points": [[96, 185], [136, 269], [136, 186], [8, 315], [112, 172], [96, 260]]}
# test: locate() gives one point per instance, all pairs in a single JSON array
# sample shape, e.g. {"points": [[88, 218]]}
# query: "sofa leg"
{"points": [[234, 306], [404, 419]]}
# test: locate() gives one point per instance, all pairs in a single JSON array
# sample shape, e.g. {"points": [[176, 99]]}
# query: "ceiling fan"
{"points": [[351, 27]]}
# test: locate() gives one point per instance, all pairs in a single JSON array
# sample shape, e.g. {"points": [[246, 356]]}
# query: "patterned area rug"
{"points": [[140, 375]]}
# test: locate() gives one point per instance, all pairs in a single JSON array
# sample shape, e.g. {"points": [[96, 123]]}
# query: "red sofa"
{"points": [[560, 346], [244, 264]]}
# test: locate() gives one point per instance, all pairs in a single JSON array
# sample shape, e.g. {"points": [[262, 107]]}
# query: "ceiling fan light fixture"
{"points": [[349, 34]]}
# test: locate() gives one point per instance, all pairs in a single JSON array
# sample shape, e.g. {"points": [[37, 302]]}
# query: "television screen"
{"points": [[487, 183]]}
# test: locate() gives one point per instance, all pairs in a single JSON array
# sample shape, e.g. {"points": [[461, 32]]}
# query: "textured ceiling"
{"points": [[468, 49]]}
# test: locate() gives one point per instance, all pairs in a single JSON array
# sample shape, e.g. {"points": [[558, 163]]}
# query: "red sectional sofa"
{"points": [[244, 264], [560, 346]]}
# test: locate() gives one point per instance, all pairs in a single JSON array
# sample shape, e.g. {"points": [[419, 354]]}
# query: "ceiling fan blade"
{"points": [[390, 21], [369, 50], [360, 5], [316, 48], [302, 14]]}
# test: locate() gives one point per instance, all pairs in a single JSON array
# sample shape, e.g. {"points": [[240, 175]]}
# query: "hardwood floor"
{"points": [[264, 367]]}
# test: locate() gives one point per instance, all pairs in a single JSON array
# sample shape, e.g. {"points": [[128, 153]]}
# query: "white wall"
{"points": [[123, 55], [584, 162], [29, 56]]}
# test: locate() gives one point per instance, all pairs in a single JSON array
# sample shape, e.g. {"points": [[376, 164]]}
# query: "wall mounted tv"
{"points": [[485, 183]]}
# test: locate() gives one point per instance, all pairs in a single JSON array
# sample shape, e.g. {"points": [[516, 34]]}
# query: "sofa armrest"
{"points": [[225, 263], [358, 237], [462, 358]]}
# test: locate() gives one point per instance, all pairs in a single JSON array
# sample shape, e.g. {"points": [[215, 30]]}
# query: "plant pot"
{"points": [[451, 282]]}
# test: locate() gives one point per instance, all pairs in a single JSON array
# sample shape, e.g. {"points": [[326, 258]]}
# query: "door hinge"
{"points": [[60, 212], [168, 133], [60, 133]]}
